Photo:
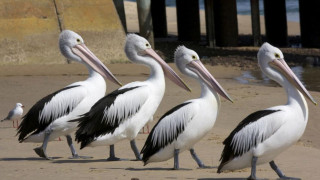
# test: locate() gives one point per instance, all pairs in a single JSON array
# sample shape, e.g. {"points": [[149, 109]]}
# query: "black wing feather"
{"points": [[228, 152], [31, 122], [149, 148], [92, 125]]}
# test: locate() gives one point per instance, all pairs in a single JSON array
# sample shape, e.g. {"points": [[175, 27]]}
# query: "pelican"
{"points": [[15, 114], [184, 125], [49, 117], [122, 113], [264, 134]]}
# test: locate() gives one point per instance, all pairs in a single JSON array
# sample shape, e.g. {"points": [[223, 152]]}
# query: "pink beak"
{"points": [[169, 72], [198, 68], [282, 66], [89, 58]]}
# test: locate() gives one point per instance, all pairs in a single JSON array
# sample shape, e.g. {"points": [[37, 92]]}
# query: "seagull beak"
{"points": [[168, 71], [22, 106], [89, 58], [197, 67], [282, 66]]}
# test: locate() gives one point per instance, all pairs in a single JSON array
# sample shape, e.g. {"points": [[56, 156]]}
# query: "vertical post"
{"points": [[188, 20], [159, 18], [310, 28], [226, 22], [208, 4], [145, 20], [120, 9], [276, 22], [255, 19]]}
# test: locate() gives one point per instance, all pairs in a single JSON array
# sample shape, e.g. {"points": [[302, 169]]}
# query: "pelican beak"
{"points": [[89, 58], [197, 67], [282, 66], [168, 71]]}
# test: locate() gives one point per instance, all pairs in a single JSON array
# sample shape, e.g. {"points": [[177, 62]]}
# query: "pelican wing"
{"points": [[50, 108], [254, 129], [109, 112], [168, 128]]}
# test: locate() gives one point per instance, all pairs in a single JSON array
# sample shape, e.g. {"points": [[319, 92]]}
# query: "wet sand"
{"points": [[27, 84]]}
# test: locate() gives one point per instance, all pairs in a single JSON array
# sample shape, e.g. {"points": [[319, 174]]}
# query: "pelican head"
{"points": [[72, 47], [19, 105], [139, 50], [272, 63], [188, 62]]}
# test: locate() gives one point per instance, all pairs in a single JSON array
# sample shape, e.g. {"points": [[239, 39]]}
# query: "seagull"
{"points": [[264, 134], [49, 117], [15, 114], [122, 113], [183, 126]]}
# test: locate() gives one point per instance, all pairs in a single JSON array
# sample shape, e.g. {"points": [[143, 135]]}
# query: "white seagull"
{"points": [[49, 117], [15, 114], [184, 125], [122, 113], [264, 134]]}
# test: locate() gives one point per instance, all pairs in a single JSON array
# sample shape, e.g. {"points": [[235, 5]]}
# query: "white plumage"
{"points": [[15, 114], [50, 117], [122, 113], [264, 134], [186, 124]]}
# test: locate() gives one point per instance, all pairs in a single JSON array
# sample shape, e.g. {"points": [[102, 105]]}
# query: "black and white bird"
{"points": [[49, 118], [122, 113], [264, 134], [184, 125], [15, 114]]}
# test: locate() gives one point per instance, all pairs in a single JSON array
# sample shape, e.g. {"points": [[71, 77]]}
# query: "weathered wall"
{"points": [[29, 29]]}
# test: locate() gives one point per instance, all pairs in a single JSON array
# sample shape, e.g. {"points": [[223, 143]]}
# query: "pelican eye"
{"points": [[194, 57], [277, 55], [147, 45], [78, 40]]}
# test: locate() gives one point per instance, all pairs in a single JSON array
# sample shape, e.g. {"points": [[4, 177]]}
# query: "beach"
{"points": [[28, 83]]}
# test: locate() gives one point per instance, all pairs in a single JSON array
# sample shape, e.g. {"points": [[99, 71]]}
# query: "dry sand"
{"points": [[29, 83]]}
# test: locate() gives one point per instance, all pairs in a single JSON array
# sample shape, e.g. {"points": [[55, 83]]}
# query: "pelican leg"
{"points": [[135, 150], [196, 158], [279, 172], [112, 156], [176, 159], [253, 168], [41, 151], [73, 150]]}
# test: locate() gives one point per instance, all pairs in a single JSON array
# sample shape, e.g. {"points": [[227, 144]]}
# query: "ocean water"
{"points": [[243, 7]]}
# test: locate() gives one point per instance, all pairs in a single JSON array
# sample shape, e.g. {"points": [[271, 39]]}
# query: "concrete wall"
{"points": [[29, 29]]}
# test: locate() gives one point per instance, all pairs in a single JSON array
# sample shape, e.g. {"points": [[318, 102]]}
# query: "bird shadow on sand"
{"points": [[28, 159], [7, 128], [157, 169], [84, 161], [222, 179]]}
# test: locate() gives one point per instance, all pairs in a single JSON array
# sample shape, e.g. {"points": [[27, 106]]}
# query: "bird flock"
{"points": [[103, 120]]}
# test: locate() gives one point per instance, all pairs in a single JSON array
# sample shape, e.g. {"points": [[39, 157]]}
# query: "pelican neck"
{"points": [[295, 98], [206, 92], [156, 72]]}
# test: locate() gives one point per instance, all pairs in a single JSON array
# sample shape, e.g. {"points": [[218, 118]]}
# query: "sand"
{"points": [[17, 160], [28, 83]]}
